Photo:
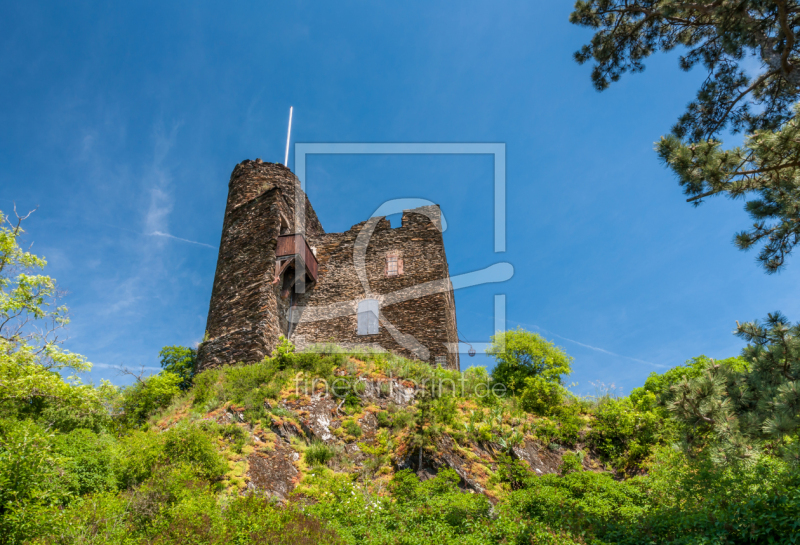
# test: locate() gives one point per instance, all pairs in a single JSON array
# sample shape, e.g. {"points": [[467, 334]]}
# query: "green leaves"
{"points": [[767, 166], [148, 395], [28, 311], [181, 361], [723, 37], [23, 380], [735, 410], [521, 354]]}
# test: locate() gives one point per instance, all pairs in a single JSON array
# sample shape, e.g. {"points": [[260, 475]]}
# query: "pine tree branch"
{"points": [[787, 31], [733, 103]]}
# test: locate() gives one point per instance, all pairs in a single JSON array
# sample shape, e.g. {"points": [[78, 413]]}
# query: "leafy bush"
{"points": [[540, 396], [31, 479], [90, 459], [565, 429], [383, 419], [352, 428], [190, 445], [168, 486], [571, 462], [579, 501], [521, 354], [625, 437], [143, 452], [181, 361], [318, 453], [149, 395], [402, 419], [254, 519]]}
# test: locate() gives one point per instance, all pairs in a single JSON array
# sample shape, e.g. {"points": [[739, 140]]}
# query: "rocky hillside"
{"points": [[370, 427]]}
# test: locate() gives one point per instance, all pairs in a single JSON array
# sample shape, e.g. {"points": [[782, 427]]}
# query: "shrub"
{"points": [[32, 479], [190, 445], [352, 428], [540, 396], [168, 486], [572, 462], [402, 419], [143, 452], [91, 460], [95, 519], [521, 354], [383, 419], [511, 471], [140, 452], [254, 519], [318, 453], [146, 397], [205, 388], [579, 501], [624, 436]]}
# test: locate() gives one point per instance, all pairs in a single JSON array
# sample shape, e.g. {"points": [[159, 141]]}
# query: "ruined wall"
{"points": [[247, 314], [418, 304], [244, 319]]}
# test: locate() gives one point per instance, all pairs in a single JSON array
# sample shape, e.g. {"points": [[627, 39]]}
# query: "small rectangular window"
{"points": [[368, 313], [441, 361], [394, 263]]}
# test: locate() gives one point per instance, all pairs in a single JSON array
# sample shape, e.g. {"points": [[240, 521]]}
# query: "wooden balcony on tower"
{"points": [[295, 247]]}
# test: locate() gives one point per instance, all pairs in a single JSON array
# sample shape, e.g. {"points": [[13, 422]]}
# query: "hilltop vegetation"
{"points": [[335, 446]]}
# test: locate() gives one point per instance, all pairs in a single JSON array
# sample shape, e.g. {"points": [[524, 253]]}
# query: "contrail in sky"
{"points": [[160, 234], [167, 235], [595, 348]]}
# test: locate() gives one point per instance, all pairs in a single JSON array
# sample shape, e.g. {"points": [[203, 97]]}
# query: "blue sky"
{"points": [[122, 123]]}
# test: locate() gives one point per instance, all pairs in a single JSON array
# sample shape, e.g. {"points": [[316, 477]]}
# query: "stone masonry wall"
{"points": [[244, 313], [418, 304], [247, 314]]}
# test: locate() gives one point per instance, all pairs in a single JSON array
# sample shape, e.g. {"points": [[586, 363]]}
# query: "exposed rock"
{"points": [[447, 455], [274, 473], [540, 460], [286, 430], [321, 411]]}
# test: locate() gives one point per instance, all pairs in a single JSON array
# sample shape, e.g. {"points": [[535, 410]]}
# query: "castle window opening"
{"points": [[368, 312], [394, 264], [441, 361]]}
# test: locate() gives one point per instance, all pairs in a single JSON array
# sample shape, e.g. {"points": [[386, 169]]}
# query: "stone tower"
{"points": [[279, 273]]}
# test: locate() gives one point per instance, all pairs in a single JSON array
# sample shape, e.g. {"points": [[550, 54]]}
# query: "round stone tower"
{"points": [[244, 317]]}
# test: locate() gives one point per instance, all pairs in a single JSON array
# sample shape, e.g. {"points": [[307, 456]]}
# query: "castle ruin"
{"points": [[279, 273]]}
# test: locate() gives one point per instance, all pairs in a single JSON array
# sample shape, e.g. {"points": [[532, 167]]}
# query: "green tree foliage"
{"points": [[31, 358], [736, 410], [148, 395], [722, 37], [28, 386], [522, 354], [29, 316], [540, 396], [680, 502], [657, 389], [625, 433], [181, 361]]}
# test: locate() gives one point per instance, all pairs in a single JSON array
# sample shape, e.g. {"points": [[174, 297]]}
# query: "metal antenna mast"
{"points": [[288, 137]]}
